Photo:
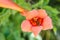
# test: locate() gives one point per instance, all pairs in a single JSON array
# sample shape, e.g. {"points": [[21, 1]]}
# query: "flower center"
{"points": [[36, 21]]}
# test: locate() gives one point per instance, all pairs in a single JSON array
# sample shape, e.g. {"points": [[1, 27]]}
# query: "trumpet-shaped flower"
{"points": [[11, 5], [36, 20]]}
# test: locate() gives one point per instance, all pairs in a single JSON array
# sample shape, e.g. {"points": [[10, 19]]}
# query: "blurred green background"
{"points": [[10, 20]]}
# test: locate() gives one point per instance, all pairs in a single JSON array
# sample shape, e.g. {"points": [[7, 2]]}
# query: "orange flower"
{"points": [[36, 20], [11, 5]]}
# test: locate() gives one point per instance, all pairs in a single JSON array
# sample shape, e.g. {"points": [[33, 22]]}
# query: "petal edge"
{"points": [[26, 26], [47, 23]]}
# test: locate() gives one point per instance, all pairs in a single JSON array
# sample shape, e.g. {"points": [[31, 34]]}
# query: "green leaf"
{"points": [[55, 30], [23, 4], [40, 4], [4, 17], [50, 9], [14, 35], [45, 2], [2, 36]]}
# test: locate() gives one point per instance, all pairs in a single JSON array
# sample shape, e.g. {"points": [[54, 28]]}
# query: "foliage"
{"points": [[10, 20]]}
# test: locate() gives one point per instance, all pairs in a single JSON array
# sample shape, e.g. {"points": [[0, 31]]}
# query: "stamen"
{"points": [[36, 21], [33, 23]]}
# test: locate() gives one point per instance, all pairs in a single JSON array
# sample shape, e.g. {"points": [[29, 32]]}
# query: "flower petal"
{"points": [[31, 14], [47, 23], [36, 30], [42, 13], [26, 26], [10, 4]]}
